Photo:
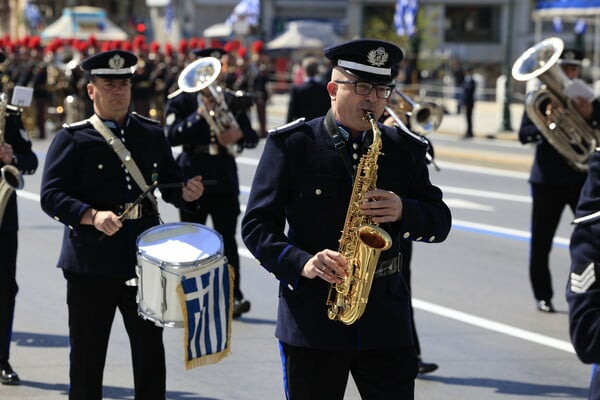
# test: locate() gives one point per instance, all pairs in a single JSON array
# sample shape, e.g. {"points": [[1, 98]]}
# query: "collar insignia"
{"points": [[377, 57], [116, 62]]}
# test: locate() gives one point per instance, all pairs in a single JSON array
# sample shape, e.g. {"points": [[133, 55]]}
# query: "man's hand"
{"points": [[193, 189], [328, 265]]}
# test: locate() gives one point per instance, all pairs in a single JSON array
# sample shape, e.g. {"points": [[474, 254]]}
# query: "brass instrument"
{"points": [[199, 77], [65, 60], [568, 132], [424, 118], [11, 177], [362, 242]]}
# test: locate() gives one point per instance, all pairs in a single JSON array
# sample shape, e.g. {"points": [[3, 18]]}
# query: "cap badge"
{"points": [[377, 57], [570, 55], [116, 62]]}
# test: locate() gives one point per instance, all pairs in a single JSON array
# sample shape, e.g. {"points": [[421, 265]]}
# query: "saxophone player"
{"points": [[15, 150], [304, 181]]}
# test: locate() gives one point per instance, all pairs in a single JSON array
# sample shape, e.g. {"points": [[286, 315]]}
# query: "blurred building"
{"points": [[486, 33]]}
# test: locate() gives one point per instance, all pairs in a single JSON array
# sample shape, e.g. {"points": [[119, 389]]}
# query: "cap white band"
{"points": [[113, 71], [365, 68]]}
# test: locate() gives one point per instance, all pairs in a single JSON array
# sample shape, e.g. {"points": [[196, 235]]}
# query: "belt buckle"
{"points": [[135, 212]]}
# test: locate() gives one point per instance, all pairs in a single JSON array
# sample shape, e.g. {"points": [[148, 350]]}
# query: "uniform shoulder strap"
{"points": [[119, 148]]}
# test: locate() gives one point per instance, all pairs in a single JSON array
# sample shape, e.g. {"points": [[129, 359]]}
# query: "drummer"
{"points": [[96, 194]]}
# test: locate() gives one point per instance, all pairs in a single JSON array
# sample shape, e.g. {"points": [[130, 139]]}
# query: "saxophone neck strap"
{"points": [[339, 142], [119, 148]]}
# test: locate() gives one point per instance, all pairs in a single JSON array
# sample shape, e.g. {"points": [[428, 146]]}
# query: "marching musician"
{"points": [[297, 208], [207, 153], [95, 189], [406, 246], [15, 150], [583, 285], [555, 184]]}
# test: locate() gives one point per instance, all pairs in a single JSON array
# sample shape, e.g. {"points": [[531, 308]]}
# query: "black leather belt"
{"points": [[203, 149], [136, 212], [388, 267]]}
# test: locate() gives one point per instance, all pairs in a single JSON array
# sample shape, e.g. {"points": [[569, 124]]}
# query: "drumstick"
{"points": [[134, 204]]}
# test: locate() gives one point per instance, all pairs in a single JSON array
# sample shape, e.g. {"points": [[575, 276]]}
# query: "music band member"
{"points": [[92, 189], [209, 153], [15, 150], [583, 285], [555, 184], [298, 203]]}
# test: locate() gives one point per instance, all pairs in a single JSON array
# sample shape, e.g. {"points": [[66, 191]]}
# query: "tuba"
{"points": [[10, 176], [362, 242], [424, 118], [569, 134], [199, 77]]}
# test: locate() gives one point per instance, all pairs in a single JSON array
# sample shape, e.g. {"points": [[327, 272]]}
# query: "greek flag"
{"points": [[247, 11], [405, 17], [207, 303], [169, 17]]}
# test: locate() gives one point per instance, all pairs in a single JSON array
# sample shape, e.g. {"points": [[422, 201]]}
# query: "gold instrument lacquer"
{"points": [[362, 241]]}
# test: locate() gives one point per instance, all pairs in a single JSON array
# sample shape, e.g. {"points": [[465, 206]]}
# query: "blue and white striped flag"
{"points": [[169, 17], [580, 26], [405, 17], [207, 301]]}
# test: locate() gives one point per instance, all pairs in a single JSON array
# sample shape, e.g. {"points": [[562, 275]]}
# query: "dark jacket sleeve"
{"points": [[583, 286]]}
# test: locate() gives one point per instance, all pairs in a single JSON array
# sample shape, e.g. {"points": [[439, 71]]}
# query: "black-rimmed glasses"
{"points": [[365, 88]]}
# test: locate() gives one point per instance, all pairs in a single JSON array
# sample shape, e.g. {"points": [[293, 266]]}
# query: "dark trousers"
{"points": [[8, 289], [224, 211], [92, 303], [548, 204], [469, 117], [382, 374], [406, 250]]}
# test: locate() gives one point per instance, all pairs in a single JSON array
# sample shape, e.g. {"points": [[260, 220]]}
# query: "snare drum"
{"points": [[165, 254]]}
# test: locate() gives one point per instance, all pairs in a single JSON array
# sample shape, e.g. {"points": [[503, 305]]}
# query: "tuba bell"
{"points": [[568, 133], [200, 77]]}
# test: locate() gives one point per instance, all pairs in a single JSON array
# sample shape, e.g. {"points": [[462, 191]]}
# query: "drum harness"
{"points": [[119, 148]]}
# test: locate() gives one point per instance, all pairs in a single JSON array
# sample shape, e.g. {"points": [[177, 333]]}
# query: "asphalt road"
{"points": [[474, 309]]}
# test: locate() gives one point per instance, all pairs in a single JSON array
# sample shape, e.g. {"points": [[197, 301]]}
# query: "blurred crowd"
{"points": [[59, 85]]}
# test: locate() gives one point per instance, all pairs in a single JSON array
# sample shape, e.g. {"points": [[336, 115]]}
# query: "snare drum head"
{"points": [[180, 243]]}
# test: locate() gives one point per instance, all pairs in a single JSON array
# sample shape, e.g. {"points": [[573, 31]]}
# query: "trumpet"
{"points": [[424, 118], [199, 77]]}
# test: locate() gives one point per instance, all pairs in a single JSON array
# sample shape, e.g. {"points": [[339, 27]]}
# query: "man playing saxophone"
{"points": [[304, 181]]}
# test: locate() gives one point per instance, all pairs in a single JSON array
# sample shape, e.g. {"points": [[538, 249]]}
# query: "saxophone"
{"points": [[10, 176], [362, 242]]}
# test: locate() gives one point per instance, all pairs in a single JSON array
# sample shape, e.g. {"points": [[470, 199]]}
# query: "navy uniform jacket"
{"points": [[82, 171], [302, 180], [549, 166], [26, 162], [583, 287], [185, 126]]}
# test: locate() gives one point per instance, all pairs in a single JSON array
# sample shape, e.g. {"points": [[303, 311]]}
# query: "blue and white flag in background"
{"points": [[207, 301], [169, 17], [246, 10], [580, 26], [405, 17], [557, 24]]}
